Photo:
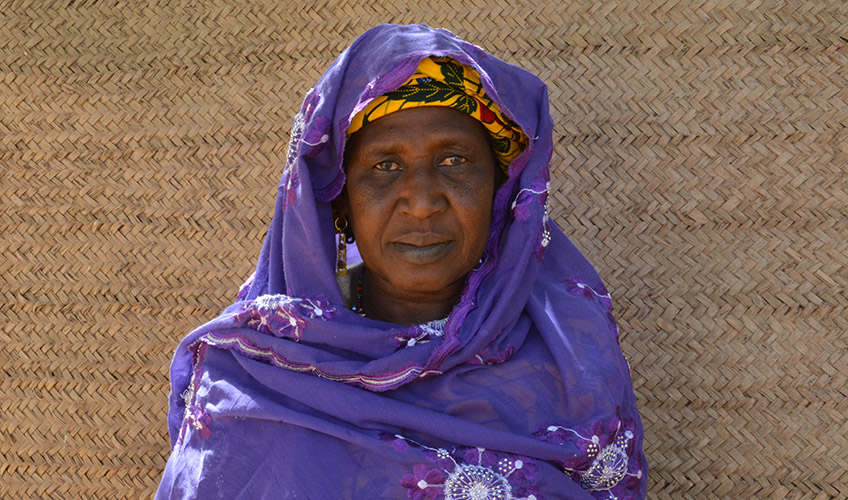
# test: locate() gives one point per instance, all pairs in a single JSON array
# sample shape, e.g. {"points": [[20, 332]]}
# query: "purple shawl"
{"points": [[525, 395]]}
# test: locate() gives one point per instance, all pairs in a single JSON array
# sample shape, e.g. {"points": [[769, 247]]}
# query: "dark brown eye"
{"points": [[387, 165], [452, 161]]}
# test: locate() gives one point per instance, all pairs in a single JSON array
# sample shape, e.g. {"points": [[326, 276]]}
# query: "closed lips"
{"points": [[421, 239], [422, 254]]}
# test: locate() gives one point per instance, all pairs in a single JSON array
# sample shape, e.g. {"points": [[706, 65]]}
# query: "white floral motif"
{"points": [[609, 463], [471, 478], [283, 315], [316, 308], [475, 482], [435, 328], [609, 467], [423, 333]]}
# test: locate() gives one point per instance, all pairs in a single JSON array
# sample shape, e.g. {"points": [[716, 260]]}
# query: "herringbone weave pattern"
{"points": [[701, 163]]}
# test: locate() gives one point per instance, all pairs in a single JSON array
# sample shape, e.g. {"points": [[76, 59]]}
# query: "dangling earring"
{"points": [[341, 259]]}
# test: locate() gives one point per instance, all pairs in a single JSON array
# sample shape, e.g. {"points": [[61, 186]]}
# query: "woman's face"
{"points": [[418, 196]]}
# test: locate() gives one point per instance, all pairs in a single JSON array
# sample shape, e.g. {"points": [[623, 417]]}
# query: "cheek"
{"points": [[364, 216], [477, 218], [482, 225]]}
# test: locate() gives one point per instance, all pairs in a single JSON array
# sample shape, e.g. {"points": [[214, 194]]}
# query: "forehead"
{"points": [[413, 124]]}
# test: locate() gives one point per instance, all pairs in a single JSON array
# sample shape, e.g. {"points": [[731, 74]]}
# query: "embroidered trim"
{"points": [[194, 415], [468, 301], [236, 342], [285, 316]]}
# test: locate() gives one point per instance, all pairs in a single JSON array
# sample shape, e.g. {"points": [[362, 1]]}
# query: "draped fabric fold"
{"points": [[525, 395]]}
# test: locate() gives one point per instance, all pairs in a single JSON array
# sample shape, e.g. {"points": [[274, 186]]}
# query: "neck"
{"points": [[383, 302]]}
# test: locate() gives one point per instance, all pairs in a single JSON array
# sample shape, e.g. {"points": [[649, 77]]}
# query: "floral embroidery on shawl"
{"points": [[607, 465], [195, 414], [298, 228], [283, 315], [317, 136], [469, 474], [421, 334], [536, 193]]}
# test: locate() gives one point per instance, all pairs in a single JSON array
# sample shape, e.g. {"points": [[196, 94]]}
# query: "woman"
{"points": [[470, 355]]}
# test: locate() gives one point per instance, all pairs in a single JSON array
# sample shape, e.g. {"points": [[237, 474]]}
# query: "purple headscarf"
{"points": [[525, 395]]}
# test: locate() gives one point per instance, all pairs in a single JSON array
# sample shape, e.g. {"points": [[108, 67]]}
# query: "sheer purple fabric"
{"points": [[524, 395]]}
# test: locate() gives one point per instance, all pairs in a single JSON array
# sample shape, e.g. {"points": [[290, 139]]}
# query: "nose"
{"points": [[423, 192]]}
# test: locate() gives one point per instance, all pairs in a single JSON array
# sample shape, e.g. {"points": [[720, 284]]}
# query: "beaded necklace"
{"points": [[357, 300]]}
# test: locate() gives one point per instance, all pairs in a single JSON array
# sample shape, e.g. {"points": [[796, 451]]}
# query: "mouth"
{"points": [[422, 254]]}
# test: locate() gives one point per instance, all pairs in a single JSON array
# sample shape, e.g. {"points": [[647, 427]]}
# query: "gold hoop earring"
{"points": [[341, 257]]}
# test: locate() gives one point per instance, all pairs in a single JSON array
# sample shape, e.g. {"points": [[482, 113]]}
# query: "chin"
{"points": [[426, 280]]}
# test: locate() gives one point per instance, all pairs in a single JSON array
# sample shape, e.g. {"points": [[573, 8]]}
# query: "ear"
{"points": [[340, 207]]}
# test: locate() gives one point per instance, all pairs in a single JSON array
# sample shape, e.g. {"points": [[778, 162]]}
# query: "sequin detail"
{"points": [[473, 482], [468, 474], [606, 464], [537, 193]]}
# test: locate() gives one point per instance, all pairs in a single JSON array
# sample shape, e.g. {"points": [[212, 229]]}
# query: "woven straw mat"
{"points": [[701, 163]]}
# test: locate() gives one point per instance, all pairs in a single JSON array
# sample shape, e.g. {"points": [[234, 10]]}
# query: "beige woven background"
{"points": [[701, 163]]}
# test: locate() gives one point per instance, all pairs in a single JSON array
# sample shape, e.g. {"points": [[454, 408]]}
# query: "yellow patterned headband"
{"points": [[442, 81]]}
